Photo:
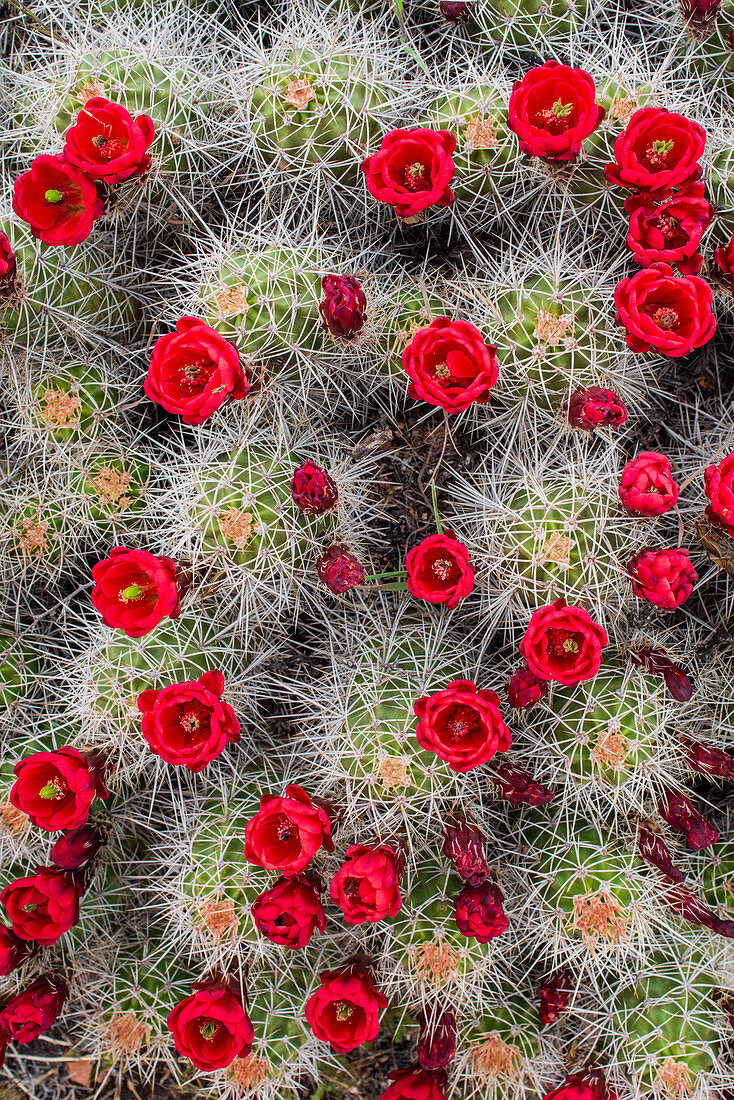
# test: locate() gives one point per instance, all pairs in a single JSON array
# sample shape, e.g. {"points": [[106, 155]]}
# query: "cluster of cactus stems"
{"points": [[367, 547]]}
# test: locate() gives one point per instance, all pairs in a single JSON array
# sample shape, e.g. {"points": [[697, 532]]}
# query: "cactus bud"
{"points": [[524, 689], [437, 1041], [480, 914], [7, 264], [680, 813], [708, 760], [682, 901], [455, 11], [517, 786], [657, 663], [76, 847], [463, 844], [339, 569], [700, 14], [554, 992], [13, 950], [652, 848], [313, 489], [343, 307], [592, 407]]}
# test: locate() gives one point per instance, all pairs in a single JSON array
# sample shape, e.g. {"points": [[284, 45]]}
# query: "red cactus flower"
{"points": [[343, 306]]}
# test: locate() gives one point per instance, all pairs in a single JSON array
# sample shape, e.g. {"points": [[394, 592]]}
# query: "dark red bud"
{"points": [[657, 663], [700, 14], [708, 760], [76, 847], [13, 951], [680, 813], [593, 407], [518, 787], [456, 11], [524, 689], [463, 844], [553, 993], [313, 489], [339, 569], [437, 1041], [343, 307], [652, 848], [8, 265], [682, 901]]}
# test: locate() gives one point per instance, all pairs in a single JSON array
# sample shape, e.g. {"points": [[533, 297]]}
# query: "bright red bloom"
{"points": [[658, 152], [724, 259], [592, 407], [8, 265], [664, 312], [663, 577], [412, 170], [194, 371], [43, 906], [720, 491], [450, 365], [289, 912], [524, 689], [313, 489], [57, 201], [439, 570], [188, 724], [107, 143], [553, 995], [345, 1011], [563, 643], [669, 232], [31, 1012], [677, 809], [13, 951], [343, 306], [647, 487], [286, 833], [56, 788], [339, 570], [367, 885], [479, 912], [553, 110], [414, 1083], [576, 1088], [134, 590], [76, 848], [462, 725], [211, 1027]]}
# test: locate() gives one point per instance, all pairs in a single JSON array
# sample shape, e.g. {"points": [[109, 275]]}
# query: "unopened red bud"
{"points": [[554, 993], [587, 1085], [76, 847], [437, 1041], [593, 407], [463, 844], [708, 760], [652, 848], [524, 689], [343, 307], [680, 813], [657, 663], [7, 264], [480, 913], [313, 489], [456, 11], [682, 901], [518, 787], [664, 577], [700, 14], [339, 569]]}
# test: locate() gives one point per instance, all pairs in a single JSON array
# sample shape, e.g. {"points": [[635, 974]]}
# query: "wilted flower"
{"points": [[339, 570], [463, 844], [553, 994], [479, 912], [652, 848], [456, 11], [592, 407], [708, 760], [524, 689], [518, 787], [680, 813], [437, 1041], [313, 489], [700, 14], [76, 847], [657, 663]]}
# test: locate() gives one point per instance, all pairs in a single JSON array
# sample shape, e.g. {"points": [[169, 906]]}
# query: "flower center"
{"points": [[56, 788], [556, 119], [30, 907], [190, 718], [286, 830], [344, 1010], [209, 1029], [665, 317], [416, 178], [112, 146], [657, 154], [54, 196], [563, 643], [197, 373], [441, 568], [668, 226]]}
